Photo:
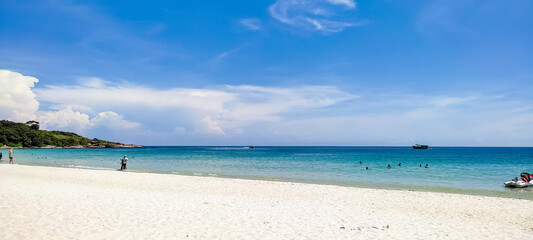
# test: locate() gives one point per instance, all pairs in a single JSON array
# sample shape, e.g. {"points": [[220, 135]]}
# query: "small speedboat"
{"points": [[418, 146], [520, 182]]}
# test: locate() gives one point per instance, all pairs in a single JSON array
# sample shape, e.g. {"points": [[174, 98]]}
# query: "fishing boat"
{"points": [[418, 146]]}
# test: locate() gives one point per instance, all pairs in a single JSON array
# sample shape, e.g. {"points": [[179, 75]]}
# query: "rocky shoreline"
{"points": [[90, 145]]}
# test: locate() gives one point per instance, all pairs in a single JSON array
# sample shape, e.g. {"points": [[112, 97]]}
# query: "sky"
{"points": [[272, 72]]}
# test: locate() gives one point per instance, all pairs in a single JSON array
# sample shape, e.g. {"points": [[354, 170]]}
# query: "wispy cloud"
{"points": [[225, 108], [221, 56], [251, 23], [88, 32], [443, 102], [454, 121], [323, 15], [346, 3]]}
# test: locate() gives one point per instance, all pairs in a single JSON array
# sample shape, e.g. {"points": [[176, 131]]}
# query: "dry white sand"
{"points": [[60, 203]]}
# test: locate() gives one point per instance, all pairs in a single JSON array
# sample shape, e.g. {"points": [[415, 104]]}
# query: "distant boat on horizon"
{"points": [[252, 146], [418, 146]]}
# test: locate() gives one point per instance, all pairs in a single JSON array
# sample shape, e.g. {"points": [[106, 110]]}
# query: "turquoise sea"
{"points": [[468, 170]]}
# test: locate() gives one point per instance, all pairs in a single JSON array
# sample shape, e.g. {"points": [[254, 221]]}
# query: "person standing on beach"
{"points": [[124, 160], [11, 155], [0, 156]]}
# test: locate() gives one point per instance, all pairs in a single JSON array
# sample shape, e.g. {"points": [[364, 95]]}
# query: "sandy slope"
{"points": [[60, 203]]}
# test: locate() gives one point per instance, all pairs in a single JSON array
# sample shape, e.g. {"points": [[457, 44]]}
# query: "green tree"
{"points": [[33, 124]]}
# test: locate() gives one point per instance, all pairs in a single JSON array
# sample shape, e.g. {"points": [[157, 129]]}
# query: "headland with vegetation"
{"points": [[28, 135]]}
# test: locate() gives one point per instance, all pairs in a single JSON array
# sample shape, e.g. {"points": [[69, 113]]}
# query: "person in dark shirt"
{"points": [[124, 160]]}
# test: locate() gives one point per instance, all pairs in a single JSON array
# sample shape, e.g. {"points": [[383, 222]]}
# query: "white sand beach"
{"points": [[61, 203]]}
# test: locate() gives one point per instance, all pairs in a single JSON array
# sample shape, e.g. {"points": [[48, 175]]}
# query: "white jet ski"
{"points": [[520, 182]]}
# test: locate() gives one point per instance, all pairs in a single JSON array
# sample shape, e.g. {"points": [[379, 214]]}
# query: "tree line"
{"points": [[29, 135]]}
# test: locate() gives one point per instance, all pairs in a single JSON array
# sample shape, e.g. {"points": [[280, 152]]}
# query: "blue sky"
{"points": [[279, 72]]}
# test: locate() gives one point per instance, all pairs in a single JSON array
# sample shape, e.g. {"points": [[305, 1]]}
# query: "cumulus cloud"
{"points": [[212, 126], [69, 120], [314, 115], [210, 111], [314, 15], [18, 103], [113, 120], [17, 100], [65, 119]]}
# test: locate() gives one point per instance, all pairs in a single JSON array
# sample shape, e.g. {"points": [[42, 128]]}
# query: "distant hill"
{"points": [[28, 135]]}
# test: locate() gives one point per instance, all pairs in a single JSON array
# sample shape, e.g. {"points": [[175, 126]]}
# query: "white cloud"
{"points": [[18, 103], [268, 103], [69, 120], [212, 126], [443, 102], [113, 120], [93, 82], [311, 15], [320, 115], [207, 110], [65, 119], [251, 23], [223, 55], [467, 127], [134, 97], [347, 3], [17, 100]]}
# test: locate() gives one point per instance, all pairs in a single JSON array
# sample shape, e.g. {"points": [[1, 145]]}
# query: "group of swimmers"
{"points": [[399, 165], [10, 156]]}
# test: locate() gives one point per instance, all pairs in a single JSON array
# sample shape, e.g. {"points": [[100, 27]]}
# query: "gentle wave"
{"points": [[86, 167]]}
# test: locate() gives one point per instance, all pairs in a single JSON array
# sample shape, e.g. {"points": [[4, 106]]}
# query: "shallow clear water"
{"points": [[458, 168]]}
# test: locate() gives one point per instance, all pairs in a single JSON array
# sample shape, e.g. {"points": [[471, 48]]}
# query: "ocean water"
{"points": [[451, 169]]}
